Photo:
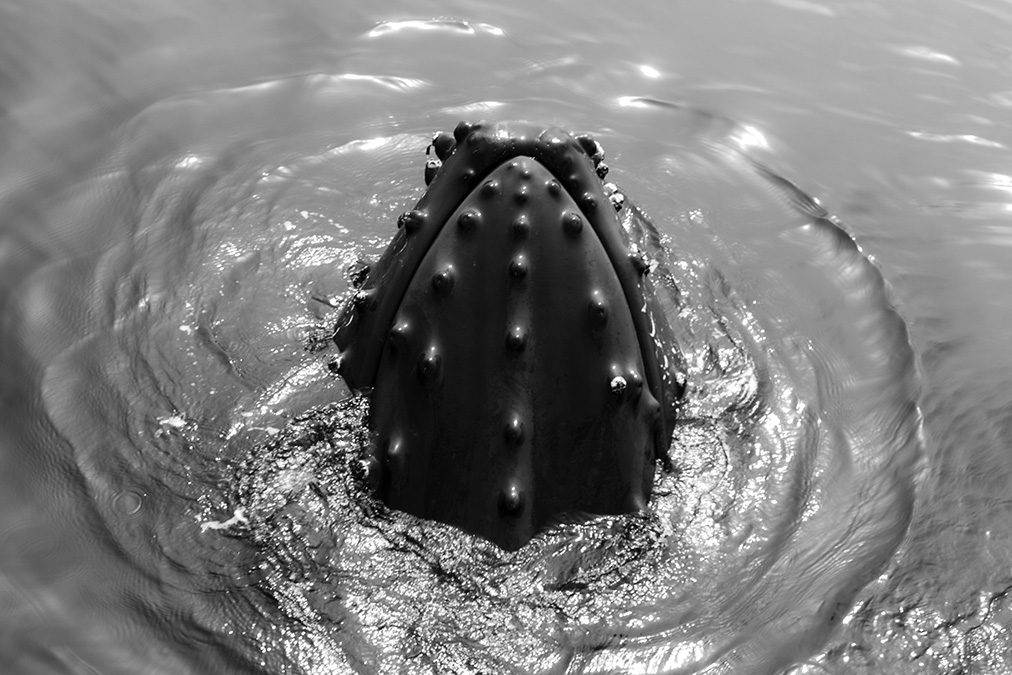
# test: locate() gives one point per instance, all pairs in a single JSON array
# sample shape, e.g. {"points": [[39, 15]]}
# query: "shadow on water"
{"points": [[215, 482]]}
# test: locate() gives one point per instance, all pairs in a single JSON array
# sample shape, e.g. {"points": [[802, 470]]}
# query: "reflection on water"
{"points": [[181, 489]]}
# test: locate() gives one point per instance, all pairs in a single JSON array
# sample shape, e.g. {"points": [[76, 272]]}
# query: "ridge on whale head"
{"points": [[520, 365]]}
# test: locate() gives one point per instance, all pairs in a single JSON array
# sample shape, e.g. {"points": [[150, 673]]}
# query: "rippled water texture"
{"points": [[183, 193]]}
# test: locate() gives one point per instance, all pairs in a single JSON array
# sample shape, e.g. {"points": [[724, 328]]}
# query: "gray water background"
{"points": [[155, 306]]}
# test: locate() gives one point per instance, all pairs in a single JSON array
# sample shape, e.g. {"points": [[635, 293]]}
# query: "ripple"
{"points": [[443, 25], [927, 54], [206, 433], [795, 462], [971, 139]]}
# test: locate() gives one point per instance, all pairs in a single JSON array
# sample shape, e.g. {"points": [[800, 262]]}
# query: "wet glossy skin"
{"points": [[521, 371]]}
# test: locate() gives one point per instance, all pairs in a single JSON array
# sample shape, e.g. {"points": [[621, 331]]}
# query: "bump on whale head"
{"points": [[520, 366]]}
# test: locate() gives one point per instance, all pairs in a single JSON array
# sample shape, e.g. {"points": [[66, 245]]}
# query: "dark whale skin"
{"points": [[521, 370]]}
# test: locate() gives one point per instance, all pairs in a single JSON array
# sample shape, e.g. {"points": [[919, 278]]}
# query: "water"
{"points": [[179, 183]]}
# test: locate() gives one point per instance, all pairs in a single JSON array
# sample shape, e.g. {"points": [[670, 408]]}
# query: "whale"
{"points": [[520, 368]]}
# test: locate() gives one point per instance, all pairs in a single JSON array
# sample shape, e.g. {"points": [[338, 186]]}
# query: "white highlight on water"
{"points": [[239, 516]]}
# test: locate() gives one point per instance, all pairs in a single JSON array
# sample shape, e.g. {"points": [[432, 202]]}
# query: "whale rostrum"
{"points": [[520, 366]]}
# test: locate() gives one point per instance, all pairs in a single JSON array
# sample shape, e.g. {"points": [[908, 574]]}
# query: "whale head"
{"points": [[518, 360]]}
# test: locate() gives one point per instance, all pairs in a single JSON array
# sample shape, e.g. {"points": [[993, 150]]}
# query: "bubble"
{"points": [[128, 502]]}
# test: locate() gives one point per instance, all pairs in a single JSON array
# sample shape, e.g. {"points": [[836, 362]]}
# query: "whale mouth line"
{"points": [[516, 354]]}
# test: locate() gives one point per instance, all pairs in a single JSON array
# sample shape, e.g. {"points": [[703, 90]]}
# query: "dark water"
{"points": [[180, 186]]}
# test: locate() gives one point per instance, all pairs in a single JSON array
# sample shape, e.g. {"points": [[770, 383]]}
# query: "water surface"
{"points": [[822, 187]]}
